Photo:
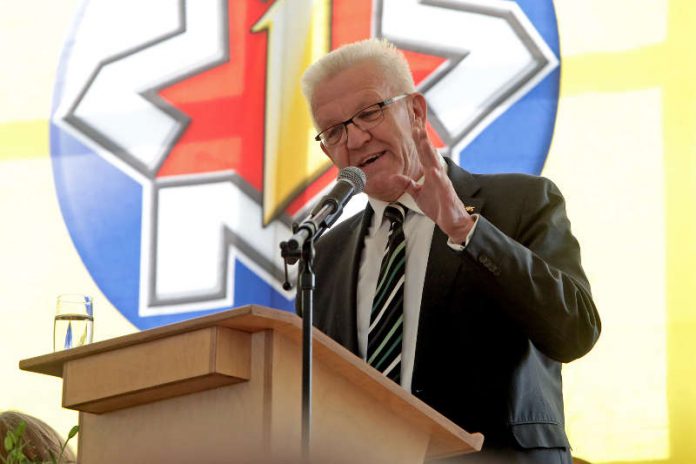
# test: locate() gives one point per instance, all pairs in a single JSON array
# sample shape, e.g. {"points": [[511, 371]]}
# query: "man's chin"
{"points": [[385, 191]]}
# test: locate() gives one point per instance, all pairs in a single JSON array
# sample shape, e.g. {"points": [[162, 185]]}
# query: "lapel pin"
{"points": [[470, 209]]}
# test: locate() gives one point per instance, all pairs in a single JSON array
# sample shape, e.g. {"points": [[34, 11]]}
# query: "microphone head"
{"points": [[354, 176]]}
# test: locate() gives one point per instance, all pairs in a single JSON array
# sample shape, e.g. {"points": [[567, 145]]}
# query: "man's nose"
{"points": [[355, 136]]}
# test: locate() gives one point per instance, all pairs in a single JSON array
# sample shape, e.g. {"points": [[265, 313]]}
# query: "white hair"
{"points": [[381, 52]]}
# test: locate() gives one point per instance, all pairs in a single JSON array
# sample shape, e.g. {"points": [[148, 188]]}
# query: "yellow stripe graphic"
{"points": [[671, 67], [298, 34], [24, 139]]}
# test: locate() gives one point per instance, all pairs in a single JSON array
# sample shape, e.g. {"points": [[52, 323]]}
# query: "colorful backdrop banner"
{"points": [[200, 145], [153, 155]]}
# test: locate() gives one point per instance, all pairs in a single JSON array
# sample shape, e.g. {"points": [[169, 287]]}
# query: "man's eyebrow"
{"points": [[365, 103]]}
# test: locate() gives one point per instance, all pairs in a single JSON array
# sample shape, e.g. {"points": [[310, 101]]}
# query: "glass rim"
{"points": [[74, 298]]}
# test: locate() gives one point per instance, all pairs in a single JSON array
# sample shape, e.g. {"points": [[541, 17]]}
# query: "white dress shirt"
{"points": [[418, 231]]}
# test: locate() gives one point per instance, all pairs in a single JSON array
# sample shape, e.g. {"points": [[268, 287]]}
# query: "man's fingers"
{"points": [[402, 181], [408, 184], [427, 153], [414, 188]]}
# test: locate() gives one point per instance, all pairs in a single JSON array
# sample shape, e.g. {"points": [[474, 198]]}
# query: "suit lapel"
{"points": [[465, 185], [443, 262], [346, 326]]}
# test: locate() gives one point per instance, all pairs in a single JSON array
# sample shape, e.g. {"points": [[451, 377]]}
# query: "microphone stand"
{"points": [[306, 280], [292, 251], [300, 247]]}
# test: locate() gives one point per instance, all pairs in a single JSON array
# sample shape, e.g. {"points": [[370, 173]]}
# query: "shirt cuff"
{"points": [[461, 246]]}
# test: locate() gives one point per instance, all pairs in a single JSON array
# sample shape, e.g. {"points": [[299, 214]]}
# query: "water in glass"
{"points": [[73, 322]]}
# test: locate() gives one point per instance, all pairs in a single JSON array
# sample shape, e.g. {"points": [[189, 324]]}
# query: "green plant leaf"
{"points": [[73, 431], [9, 442], [71, 434], [16, 455]]}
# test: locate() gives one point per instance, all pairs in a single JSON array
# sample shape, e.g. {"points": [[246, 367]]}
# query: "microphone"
{"points": [[350, 180]]}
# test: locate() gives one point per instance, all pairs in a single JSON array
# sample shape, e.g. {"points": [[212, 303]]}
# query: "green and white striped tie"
{"points": [[386, 330]]}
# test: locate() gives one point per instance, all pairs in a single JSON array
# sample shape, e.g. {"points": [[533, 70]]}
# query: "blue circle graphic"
{"points": [[102, 206]]}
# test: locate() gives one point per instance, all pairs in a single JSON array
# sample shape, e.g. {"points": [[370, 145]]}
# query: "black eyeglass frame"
{"points": [[381, 105]]}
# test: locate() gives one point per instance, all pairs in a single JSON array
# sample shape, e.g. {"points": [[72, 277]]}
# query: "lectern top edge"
{"points": [[262, 318]]}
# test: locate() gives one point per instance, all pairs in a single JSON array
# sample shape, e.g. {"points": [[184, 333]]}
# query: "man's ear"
{"points": [[419, 108], [327, 153], [323, 148]]}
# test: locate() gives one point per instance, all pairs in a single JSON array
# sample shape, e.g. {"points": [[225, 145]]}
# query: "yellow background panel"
{"points": [[601, 26], [616, 397], [624, 154]]}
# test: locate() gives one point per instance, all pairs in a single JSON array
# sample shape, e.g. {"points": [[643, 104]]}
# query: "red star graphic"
{"points": [[226, 104]]}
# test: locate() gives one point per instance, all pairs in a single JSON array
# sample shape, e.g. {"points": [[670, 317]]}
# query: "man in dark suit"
{"points": [[493, 298]]}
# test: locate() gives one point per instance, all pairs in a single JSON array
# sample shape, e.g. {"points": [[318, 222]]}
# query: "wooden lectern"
{"points": [[226, 388]]}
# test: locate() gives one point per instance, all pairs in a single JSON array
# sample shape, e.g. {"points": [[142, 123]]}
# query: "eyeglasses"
{"points": [[365, 119]]}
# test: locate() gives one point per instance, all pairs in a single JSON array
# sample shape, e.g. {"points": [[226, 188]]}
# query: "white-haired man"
{"points": [[481, 295]]}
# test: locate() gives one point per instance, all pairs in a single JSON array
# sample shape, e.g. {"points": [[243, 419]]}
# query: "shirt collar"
{"points": [[378, 206]]}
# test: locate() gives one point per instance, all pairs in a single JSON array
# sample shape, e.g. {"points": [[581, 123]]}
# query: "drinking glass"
{"points": [[72, 325]]}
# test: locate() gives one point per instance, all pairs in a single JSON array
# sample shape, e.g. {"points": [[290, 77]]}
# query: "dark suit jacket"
{"points": [[496, 320]]}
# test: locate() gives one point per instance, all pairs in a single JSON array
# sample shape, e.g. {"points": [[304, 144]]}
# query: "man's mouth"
{"points": [[370, 159]]}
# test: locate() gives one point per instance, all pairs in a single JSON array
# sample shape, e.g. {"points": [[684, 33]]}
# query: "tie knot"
{"points": [[395, 212]]}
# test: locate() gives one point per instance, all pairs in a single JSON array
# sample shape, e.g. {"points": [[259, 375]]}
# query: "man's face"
{"points": [[382, 151]]}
